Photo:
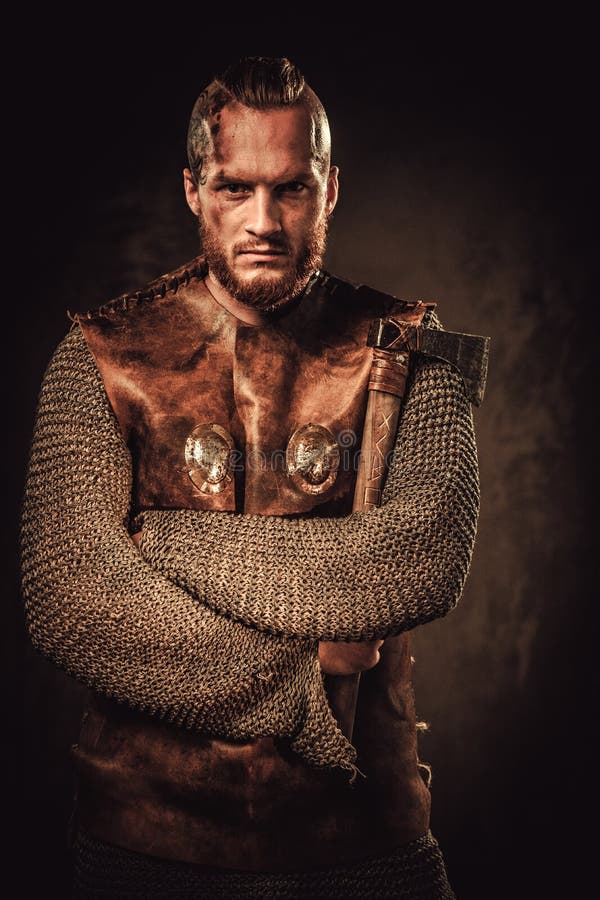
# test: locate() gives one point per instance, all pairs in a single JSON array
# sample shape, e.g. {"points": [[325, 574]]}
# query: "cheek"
{"points": [[213, 214], [304, 219], [223, 220], [216, 211]]}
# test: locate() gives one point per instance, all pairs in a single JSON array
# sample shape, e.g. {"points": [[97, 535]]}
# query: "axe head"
{"points": [[468, 353]]}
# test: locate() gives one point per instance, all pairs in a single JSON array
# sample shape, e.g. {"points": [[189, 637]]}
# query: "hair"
{"points": [[257, 82]]}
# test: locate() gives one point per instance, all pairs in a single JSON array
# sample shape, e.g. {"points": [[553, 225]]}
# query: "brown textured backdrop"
{"points": [[467, 175]]}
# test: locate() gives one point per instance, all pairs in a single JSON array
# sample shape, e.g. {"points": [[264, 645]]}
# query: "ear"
{"points": [[191, 192], [332, 189]]}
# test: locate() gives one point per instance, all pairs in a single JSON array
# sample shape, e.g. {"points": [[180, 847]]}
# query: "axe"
{"points": [[395, 339]]}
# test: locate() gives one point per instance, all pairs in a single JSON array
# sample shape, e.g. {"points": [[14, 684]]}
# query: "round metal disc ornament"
{"points": [[312, 458], [209, 454]]}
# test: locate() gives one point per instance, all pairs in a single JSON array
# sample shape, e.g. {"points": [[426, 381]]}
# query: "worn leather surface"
{"points": [[172, 358]]}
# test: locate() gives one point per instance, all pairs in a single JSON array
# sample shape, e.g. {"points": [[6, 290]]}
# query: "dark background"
{"points": [[468, 168]]}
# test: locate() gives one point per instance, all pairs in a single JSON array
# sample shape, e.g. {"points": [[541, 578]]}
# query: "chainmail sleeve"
{"points": [[214, 624], [368, 575], [103, 614]]}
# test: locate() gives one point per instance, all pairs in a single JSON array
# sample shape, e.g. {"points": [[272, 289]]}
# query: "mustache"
{"points": [[277, 244]]}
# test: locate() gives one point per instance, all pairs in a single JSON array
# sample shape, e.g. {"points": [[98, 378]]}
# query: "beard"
{"points": [[268, 292]]}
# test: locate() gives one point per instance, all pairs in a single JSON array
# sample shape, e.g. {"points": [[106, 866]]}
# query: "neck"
{"points": [[241, 311]]}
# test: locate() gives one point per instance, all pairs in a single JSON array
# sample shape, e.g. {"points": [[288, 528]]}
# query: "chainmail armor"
{"points": [[214, 623], [102, 871]]}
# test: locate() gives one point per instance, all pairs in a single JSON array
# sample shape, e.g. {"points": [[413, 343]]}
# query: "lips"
{"points": [[262, 253]]}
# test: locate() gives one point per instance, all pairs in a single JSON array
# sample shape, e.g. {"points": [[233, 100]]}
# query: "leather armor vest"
{"points": [[172, 361]]}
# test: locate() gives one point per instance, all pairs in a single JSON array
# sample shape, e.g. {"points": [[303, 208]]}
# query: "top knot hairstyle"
{"points": [[260, 82], [257, 82]]}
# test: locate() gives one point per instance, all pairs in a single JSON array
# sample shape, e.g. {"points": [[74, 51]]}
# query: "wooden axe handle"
{"points": [[386, 390]]}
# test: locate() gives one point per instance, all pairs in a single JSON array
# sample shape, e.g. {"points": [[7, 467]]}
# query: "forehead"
{"points": [[261, 142]]}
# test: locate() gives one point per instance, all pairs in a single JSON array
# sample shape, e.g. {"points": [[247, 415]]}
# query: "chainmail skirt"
{"points": [[415, 871]]}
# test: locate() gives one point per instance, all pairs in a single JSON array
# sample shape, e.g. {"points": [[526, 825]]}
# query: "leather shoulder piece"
{"points": [[159, 287], [380, 303]]}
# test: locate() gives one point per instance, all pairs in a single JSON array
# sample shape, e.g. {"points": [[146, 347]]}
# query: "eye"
{"points": [[292, 187], [234, 189]]}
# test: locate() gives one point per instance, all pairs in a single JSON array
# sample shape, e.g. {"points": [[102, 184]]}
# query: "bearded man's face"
{"points": [[263, 204]]}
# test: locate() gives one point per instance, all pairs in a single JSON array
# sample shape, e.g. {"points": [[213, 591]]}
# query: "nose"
{"points": [[264, 214]]}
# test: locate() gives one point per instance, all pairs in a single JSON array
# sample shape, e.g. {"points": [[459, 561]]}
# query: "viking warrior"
{"points": [[249, 480]]}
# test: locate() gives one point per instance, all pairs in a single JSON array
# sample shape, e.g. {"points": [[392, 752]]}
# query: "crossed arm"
{"points": [[336, 657]]}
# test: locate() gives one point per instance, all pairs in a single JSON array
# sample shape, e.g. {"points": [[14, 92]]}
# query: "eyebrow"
{"points": [[223, 177]]}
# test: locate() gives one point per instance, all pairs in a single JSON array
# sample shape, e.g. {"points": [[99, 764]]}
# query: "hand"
{"points": [[348, 657]]}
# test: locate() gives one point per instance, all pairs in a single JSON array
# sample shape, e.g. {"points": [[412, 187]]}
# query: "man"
{"points": [[215, 417]]}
